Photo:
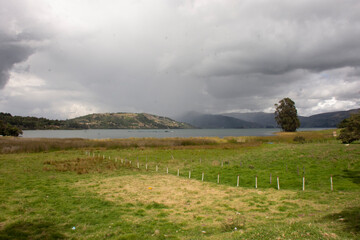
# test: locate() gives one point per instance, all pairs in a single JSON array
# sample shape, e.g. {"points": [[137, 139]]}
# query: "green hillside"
{"points": [[95, 121], [128, 121]]}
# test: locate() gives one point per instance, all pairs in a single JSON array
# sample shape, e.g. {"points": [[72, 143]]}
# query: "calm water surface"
{"points": [[153, 133]]}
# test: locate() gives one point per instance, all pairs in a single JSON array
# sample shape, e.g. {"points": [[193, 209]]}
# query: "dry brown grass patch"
{"points": [[195, 202], [81, 165]]}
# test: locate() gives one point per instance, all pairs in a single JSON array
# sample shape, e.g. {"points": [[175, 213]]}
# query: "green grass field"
{"points": [[82, 189]]}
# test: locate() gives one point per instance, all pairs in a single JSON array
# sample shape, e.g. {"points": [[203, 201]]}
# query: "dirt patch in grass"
{"points": [[200, 204]]}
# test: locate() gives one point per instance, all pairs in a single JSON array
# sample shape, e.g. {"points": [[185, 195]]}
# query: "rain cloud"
{"points": [[170, 57]]}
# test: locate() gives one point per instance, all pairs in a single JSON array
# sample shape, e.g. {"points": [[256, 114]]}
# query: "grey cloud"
{"points": [[277, 37], [177, 56]]}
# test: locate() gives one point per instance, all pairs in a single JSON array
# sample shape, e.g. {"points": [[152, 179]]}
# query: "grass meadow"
{"points": [[195, 188]]}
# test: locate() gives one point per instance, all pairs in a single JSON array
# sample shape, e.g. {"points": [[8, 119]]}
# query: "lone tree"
{"points": [[350, 129], [286, 115]]}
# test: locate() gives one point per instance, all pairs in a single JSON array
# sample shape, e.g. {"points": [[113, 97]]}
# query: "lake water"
{"points": [[153, 133]]}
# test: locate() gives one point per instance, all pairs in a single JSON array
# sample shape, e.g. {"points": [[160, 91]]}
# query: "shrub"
{"points": [[351, 129], [9, 130], [299, 139]]}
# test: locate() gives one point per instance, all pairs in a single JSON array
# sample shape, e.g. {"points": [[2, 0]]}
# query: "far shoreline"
{"points": [[156, 133]]}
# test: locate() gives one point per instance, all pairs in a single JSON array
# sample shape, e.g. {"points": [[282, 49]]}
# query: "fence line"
{"points": [[147, 168]]}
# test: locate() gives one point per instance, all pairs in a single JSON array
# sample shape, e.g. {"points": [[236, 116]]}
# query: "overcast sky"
{"points": [[62, 59]]}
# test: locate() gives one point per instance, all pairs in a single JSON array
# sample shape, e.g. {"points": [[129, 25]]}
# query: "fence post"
{"points": [[278, 182], [218, 180], [202, 177], [303, 184], [189, 174], [256, 182], [331, 183], [237, 182]]}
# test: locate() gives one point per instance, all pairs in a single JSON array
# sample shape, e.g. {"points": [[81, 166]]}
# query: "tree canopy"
{"points": [[350, 129], [9, 130], [286, 115]]}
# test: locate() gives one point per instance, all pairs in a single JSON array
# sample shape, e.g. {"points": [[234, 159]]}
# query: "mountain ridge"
{"points": [[216, 121], [266, 120]]}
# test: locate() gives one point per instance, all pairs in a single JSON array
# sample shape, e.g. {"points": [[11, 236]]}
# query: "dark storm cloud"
{"points": [[20, 33], [12, 51]]}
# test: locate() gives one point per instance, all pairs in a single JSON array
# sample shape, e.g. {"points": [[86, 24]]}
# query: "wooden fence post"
{"points": [[237, 181], [331, 183], [303, 184], [278, 182]]}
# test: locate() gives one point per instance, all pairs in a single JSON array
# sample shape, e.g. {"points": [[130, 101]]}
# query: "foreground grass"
{"points": [[67, 194]]}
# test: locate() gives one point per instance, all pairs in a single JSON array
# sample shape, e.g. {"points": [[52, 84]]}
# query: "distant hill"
{"points": [[330, 119], [96, 121], [263, 120], [216, 121], [128, 121]]}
